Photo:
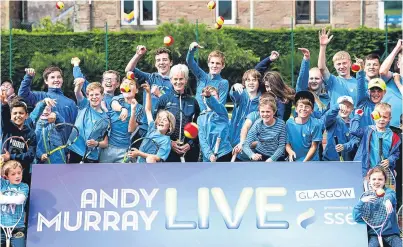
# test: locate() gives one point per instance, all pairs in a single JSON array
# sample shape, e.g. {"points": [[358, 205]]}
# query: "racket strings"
{"points": [[374, 213]]}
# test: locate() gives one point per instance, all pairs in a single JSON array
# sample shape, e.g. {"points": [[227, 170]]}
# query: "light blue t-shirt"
{"points": [[163, 143], [374, 158], [7, 216], [338, 86], [301, 136], [394, 98], [86, 120]]}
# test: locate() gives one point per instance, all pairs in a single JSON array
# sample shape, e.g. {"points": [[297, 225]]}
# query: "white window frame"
{"points": [[312, 17], [138, 13], [232, 21], [154, 21]]}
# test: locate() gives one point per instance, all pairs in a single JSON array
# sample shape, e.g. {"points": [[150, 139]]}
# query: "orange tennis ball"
{"points": [[125, 88], [375, 115], [380, 192], [355, 68], [211, 5], [130, 75], [217, 26], [60, 5], [168, 40], [191, 130], [220, 20]]}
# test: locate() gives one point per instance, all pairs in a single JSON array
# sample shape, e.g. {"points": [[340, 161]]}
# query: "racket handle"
{"points": [[233, 157], [183, 159], [217, 146], [380, 241], [336, 140], [381, 148], [8, 242]]}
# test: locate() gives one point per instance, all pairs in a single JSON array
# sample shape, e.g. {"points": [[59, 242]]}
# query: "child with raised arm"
{"points": [[368, 150], [304, 132], [390, 234], [311, 80], [158, 131], [215, 62], [12, 204], [245, 101], [159, 81], [121, 129], [213, 124], [13, 122], [110, 81], [337, 125], [53, 78], [343, 84], [267, 135], [90, 111], [44, 119], [393, 95]]}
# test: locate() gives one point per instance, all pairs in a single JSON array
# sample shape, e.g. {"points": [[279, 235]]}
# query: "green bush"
{"points": [[242, 47]]}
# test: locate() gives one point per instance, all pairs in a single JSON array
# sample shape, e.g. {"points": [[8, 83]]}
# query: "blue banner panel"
{"points": [[196, 204]]}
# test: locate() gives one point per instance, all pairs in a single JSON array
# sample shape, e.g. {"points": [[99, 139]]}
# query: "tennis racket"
{"points": [[11, 214], [374, 213], [336, 141], [98, 133], [148, 145], [217, 146], [390, 177], [57, 140], [400, 219], [15, 145]]}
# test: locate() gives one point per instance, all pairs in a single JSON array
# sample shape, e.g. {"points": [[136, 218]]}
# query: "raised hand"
{"points": [[274, 56], [141, 50], [324, 38], [194, 45], [50, 102], [307, 54], [75, 61], [30, 72]]}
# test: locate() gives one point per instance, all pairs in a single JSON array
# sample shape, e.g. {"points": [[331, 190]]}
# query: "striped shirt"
{"points": [[270, 139]]}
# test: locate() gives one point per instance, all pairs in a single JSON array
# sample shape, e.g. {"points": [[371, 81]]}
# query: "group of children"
{"points": [[331, 121]]}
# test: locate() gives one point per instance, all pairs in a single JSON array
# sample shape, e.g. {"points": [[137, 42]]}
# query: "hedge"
{"points": [[243, 47]]}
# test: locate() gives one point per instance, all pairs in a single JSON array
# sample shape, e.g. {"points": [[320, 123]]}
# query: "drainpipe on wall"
{"points": [[251, 11], [91, 14], [362, 14]]}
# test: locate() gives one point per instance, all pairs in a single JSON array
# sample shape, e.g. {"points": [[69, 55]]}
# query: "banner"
{"points": [[196, 204]]}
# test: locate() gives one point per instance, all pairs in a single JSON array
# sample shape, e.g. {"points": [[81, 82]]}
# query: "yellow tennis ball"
{"points": [[60, 5], [191, 130]]}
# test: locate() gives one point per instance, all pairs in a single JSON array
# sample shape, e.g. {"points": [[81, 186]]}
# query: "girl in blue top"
{"points": [[213, 124], [304, 133], [12, 172], [158, 131], [245, 101], [390, 233]]}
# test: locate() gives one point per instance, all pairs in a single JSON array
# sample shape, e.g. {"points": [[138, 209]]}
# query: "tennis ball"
{"points": [[191, 130], [211, 5], [168, 40], [355, 68], [380, 192], [60, 5], [130, 75], [125, 88], [375, 115], [217, 26], [220, 20], [359, 112]]}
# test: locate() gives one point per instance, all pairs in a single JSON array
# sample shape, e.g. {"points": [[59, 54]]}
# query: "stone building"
{"points": [[147, 14]]}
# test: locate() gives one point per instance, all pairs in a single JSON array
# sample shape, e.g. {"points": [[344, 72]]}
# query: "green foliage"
{"points": [[46, 25], [92, 64], [242, 47]]}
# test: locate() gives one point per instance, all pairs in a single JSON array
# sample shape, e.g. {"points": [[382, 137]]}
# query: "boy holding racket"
{"points": [[368, 150], [267, 137], [304, 133], [92, 136], [13, 196], [213, 124], [21, 149], [337, 124], [156, 145], [122, 127], [215, 62], [380, 214]]}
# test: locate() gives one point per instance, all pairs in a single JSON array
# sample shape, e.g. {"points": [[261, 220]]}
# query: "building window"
{"points": [[227, 9], [322, 11], [312, 11], [132, 16]]}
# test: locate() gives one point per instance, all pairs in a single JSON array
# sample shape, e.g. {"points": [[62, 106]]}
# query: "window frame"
{"points": [[138, 15], [312, 14], [232, 21], [154, 21]]}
